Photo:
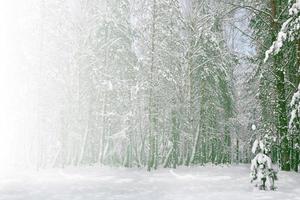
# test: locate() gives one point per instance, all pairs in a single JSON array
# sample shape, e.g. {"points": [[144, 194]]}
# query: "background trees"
{"points": [[143, 83], [165, 82]]}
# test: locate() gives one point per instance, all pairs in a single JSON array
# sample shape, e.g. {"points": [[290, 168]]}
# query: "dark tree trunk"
{"points": [[281, 105]]}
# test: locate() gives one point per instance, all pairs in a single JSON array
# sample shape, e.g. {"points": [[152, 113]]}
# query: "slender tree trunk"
{"points": [[227, 145], [152, 116], [297, 140], [237, 151], [83, 145], [168, 157], [195, 146], [102, 141]]}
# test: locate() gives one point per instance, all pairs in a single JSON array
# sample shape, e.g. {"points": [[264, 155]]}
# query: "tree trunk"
{"points": [[282, 122], [102, 138], [152, 135], [196, 143], [237, 151]]}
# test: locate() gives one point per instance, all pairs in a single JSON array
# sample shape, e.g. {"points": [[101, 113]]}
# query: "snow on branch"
{"points": [[295, 105], [288, 29]]}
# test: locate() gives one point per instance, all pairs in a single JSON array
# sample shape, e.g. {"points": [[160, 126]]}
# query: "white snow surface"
{"points": [[104, 183]]}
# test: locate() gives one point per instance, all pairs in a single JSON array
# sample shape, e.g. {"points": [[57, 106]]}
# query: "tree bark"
{"points": [[282, 121], [152, 136]]}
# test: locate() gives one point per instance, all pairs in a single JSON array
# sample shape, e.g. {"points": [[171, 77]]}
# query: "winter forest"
{"points": [[96, 87]]}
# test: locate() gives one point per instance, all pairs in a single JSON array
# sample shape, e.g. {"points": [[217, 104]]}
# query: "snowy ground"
{"points": [[199, 183]]}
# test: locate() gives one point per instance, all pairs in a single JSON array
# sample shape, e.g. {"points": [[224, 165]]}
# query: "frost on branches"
{"points": [[295, 105], [289, 30]]}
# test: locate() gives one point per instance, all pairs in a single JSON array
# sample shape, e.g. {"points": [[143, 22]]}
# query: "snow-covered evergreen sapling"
{"points": [[262, 172]]}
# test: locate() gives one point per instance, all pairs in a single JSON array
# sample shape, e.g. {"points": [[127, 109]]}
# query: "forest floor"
{"points": [[183, 183]]}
